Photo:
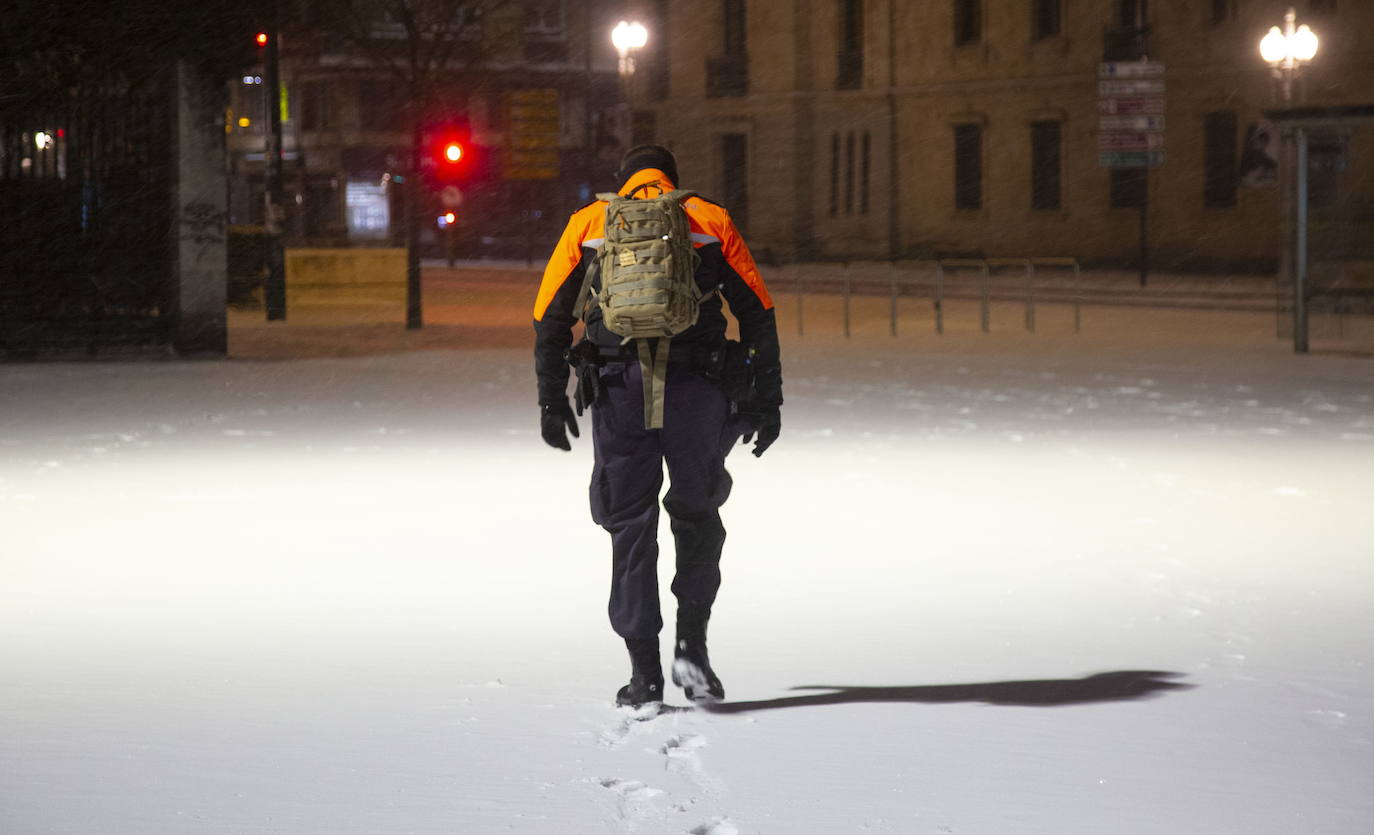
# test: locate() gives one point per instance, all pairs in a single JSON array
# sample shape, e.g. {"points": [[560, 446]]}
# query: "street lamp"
{"points": [[1287, 49], [627, 36]]}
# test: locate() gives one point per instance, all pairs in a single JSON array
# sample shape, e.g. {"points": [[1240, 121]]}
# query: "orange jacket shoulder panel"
{"points": [[585, 224], [713, 221]]}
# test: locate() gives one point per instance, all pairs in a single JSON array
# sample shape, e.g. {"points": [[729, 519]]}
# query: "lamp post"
{"points": [[627, 37], [1285, 51]]}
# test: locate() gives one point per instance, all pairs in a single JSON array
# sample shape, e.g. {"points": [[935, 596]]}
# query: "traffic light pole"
{"points": [[1144, 226], [274, 291], [411, 201]]}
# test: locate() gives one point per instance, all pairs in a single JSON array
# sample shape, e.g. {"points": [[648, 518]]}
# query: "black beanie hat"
{"points": [[647, 156]]}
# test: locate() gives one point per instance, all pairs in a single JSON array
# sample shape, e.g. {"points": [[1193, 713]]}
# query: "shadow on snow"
{"points": [[1118, 686]]}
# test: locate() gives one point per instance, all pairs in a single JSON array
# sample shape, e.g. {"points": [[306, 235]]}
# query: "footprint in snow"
{"points": [[633, 720], [683, 746], [718, 826], [628, 788], [681, 758], [682, 751], [634, 800]]}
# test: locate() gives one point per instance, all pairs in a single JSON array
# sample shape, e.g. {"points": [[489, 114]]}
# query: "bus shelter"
{"points": [[1325, 130]]}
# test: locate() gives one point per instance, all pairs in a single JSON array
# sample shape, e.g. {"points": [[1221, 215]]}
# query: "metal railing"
{"points": [[899, 283]]}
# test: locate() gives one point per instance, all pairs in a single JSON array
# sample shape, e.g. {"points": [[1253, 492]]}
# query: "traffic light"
{"points": [[261, 39], [449, 158]]}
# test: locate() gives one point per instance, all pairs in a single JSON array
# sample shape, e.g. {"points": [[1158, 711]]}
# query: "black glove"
{"points": [[555, 421], [767, 422]]}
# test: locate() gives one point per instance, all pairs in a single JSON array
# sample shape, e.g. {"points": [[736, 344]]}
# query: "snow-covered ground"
{"points": [[1113, 582]]}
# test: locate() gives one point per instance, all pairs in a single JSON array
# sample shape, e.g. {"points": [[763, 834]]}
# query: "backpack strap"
{"points": [[580, 306], [653, 368]]}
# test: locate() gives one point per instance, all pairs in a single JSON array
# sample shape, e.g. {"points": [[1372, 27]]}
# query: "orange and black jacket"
{"points": [[726, 266]]}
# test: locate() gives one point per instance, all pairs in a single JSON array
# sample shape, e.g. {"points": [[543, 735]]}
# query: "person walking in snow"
{"points": [[684, 408]]}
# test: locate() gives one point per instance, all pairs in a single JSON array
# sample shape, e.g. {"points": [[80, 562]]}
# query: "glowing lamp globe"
{"points": [[1274, 46], [626, 36], [1304, 43]]}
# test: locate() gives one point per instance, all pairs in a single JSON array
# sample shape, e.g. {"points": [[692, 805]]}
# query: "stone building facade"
{"points": [[904, 128]]}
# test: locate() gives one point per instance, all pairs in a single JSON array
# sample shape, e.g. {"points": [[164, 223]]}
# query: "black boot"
{"points": [[646, 674], [691, 665]]}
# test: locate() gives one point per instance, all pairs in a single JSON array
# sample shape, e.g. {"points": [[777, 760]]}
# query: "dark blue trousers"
{"points": [[696, 436]]}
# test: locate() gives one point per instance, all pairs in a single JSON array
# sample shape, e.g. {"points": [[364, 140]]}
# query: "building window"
{"points": [[1045, 18], [314, 106], [1132, 14], [1219, 163], [851, 57], [735, 171], [1128, 188], [968, 166], [849, 174], [470, 22], [858, 154], [379, 108], [659, 78], [834, 174], [544, 34], [865, 165], [1046, 165], [544, 17], [728, 75], [643, 127], [968, 22], [734, 27]]}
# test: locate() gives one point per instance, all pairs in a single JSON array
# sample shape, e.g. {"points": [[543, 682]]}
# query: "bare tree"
{"points": [[418, 43]]}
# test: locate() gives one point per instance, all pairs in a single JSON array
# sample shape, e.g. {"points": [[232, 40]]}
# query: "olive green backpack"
{"points": [[648, 282]]}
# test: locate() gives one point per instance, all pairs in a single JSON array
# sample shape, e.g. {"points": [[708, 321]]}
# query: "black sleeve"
{"points": [[758, 326], [553, 335]]}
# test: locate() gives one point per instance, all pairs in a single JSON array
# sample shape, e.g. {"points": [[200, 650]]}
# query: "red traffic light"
{"points": [[261, 39], [448, 156]]}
